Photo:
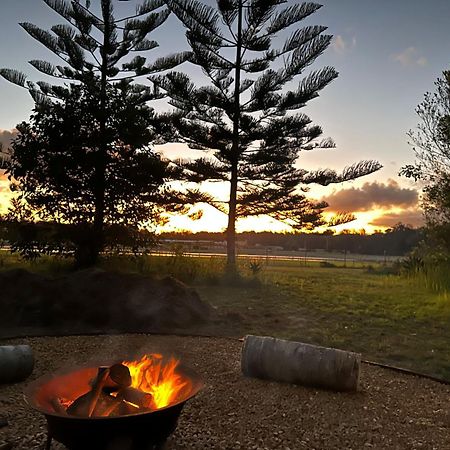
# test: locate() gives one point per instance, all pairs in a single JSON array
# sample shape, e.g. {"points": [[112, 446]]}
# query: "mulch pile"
{"points": [[96, 301], [391, 411]]}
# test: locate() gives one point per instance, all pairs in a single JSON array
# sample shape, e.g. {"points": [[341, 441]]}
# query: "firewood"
{"points": [[120, 374], [140, 398], [80, 406], [97, 390], [126, 408], [57, 406], [112, 408], [106, 405]]}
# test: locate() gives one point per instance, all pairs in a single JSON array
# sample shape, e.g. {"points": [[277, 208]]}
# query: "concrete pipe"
{"points": [[298, 363], [16, 363]]}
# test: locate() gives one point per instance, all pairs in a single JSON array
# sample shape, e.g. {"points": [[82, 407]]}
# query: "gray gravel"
{"points": [[391, 411]]}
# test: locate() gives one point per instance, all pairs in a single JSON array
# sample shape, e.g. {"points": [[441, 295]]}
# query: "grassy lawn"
{"points": [[388, 318]]}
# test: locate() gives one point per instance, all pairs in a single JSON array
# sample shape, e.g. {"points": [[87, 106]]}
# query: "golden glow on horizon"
{"points": [[215, 221], [5, 195]]}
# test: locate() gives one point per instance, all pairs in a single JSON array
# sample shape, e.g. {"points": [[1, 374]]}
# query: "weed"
{"points": [[255, 266]]}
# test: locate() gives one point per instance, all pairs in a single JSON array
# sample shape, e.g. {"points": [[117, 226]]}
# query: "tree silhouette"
{"points": [[431, 146], [52, 160], [95, 56], [252, 125], [431, 139]]}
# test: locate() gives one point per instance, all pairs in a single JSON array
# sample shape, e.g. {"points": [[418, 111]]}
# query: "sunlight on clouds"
{"points": [[362, 222], [215, 221], [410, 57], [380, 203], [341, 45], [370, 201]]}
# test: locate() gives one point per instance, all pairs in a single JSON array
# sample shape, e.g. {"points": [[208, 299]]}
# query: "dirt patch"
{"points": [[95, 300], [391, 411]]}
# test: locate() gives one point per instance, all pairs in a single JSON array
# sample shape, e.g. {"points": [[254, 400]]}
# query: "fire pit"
{"points": [[118, 405]]}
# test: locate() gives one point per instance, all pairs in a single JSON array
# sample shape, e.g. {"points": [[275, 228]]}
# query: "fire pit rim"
{"points": [[32, 387]]}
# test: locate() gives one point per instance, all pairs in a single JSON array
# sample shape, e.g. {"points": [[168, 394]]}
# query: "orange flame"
{"points": [[157, 378]]}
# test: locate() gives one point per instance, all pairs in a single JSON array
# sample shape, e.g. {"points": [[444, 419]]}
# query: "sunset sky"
{"points": [[388, 54]]}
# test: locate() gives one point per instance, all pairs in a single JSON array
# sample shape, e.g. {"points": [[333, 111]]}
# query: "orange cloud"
{"points": [[410, 57], [408, 217]]}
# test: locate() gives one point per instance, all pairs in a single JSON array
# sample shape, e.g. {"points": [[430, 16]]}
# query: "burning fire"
{"points": [[151, 375], [148, 384]]}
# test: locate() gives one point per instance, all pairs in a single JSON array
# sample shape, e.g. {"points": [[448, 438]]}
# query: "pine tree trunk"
{"points": [[100, 167], [231, 229]]}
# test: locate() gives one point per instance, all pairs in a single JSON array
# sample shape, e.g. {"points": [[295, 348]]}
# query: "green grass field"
{"points": [[388, 318]]}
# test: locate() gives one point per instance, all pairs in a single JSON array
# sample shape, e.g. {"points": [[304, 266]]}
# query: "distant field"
{"points": [[310, 255], [388, 318]]}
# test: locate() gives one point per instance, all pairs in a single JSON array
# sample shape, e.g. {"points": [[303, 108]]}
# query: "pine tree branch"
{"points": [[96, 21], [193, 14], [146, 8], [291, 15]]}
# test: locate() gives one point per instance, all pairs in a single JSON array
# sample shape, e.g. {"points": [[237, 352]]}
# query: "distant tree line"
{"points": [[396, 241], [31, 239]]}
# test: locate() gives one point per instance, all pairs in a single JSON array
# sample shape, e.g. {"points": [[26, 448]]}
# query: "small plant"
{"points": [[326, 264], [255, 267], [412, 264]]}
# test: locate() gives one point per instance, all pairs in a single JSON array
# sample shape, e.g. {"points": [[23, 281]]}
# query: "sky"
{"points": [[388, 54]]}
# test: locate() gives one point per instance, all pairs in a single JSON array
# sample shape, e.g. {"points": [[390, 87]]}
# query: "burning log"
{"points": [[105, 402], [136, 397], [58, 406], [299, 363], [127, 401], [120, 374], [118, 377], [111, 394], [97, 390]]}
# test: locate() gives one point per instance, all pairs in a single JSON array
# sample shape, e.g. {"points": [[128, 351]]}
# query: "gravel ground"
{"points": [[391, 411]]}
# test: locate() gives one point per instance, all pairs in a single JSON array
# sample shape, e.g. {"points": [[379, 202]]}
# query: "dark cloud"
{"points": [[373, 196], [408, 217]]}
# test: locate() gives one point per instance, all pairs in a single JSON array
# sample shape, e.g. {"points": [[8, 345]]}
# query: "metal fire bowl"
{"points": [[139, 431]]}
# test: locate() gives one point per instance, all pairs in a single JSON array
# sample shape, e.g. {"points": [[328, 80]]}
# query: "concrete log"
{"points": [[298, 363], [16, 363]]}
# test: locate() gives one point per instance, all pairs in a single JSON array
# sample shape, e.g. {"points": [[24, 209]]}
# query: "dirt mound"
{"points": [[95, 300]]}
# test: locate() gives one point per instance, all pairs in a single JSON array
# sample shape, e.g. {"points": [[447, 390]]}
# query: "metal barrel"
{"points": [[16, 363]]}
